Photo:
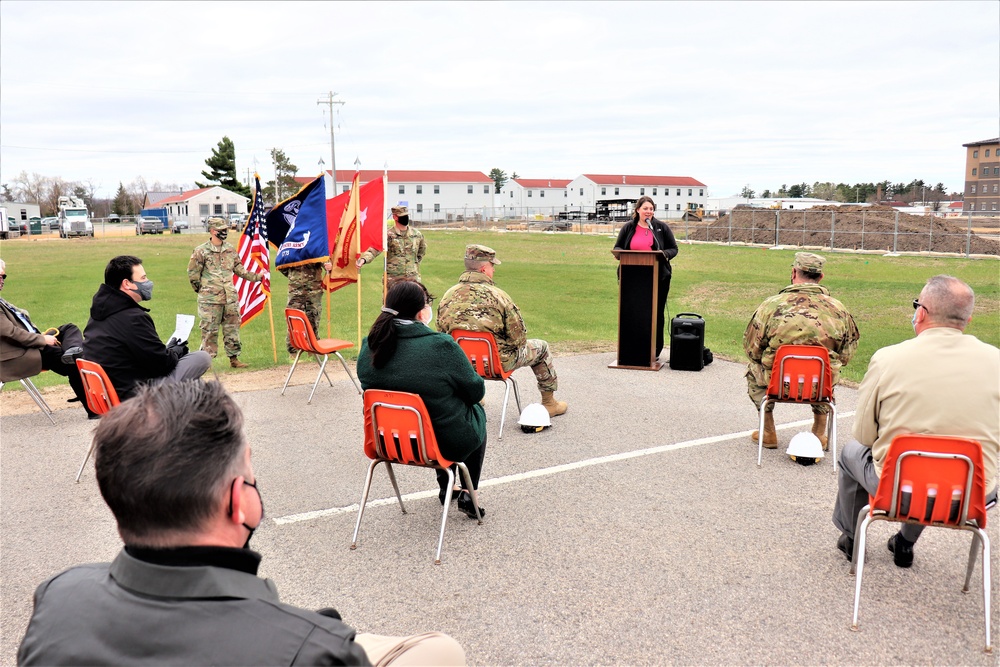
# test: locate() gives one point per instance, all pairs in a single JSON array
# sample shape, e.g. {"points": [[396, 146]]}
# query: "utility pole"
{"points": [[329, 101]]}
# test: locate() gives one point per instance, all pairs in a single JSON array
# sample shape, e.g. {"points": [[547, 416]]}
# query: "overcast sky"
{"points": [[727, 93]]}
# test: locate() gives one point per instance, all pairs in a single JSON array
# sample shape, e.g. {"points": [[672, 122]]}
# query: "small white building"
{"points": [[20, 211], [429, 195], [670, 194], [194, 206], [532, 196]]}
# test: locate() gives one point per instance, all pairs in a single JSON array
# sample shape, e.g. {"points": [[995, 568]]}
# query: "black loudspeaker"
{"points": [[687, 342]]}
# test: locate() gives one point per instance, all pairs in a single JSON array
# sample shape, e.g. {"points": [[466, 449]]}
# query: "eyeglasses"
{"points": [[917, 304], [3, 276]]}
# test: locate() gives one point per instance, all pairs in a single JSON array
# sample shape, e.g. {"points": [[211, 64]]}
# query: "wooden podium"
{"points": [[638, 285]]}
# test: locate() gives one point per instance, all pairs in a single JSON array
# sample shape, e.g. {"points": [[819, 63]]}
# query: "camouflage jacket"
{"points": [[211, 270], [304, 277], [406, 249], [476, 304], [803, 314]]}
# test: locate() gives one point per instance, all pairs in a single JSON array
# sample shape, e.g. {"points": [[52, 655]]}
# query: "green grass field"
{"points": [[564, 284]]}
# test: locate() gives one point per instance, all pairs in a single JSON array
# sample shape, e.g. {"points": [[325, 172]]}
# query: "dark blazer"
{"points": [[20, 349], [663, 240], [432, 365], [131, 611]]}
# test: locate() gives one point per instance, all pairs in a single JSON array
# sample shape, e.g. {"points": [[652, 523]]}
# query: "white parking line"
{"points": [[542, 472]]}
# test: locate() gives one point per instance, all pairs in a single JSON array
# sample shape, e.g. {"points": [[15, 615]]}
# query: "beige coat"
{"points": [[20, 355], [942, 382]]}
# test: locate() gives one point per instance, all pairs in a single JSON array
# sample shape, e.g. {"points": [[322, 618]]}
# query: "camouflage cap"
{"points": [[807, 261], [400, 210], [217, 223], [481, 253]]}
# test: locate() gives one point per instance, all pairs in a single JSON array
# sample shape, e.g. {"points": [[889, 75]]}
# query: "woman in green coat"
{"points": [[402, 354]]}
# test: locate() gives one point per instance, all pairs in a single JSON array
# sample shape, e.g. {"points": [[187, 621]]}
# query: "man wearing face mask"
{"points": [[122, 338], [210, 272], [173, 465], [941, 382], [406, 248]]}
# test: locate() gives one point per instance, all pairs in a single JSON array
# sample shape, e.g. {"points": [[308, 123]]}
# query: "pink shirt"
{"points": [[642, 239]]}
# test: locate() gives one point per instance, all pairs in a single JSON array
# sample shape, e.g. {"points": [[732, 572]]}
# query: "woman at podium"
{"points": [[644, 232]]}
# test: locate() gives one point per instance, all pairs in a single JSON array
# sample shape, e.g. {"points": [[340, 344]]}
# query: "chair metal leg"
{"points": [[517, 395], [857, 527], [395, 487], [760, 433], [325, 374], [291, 370], [364, 500], [503, 411], [831, 434], [36, 396], [987, 585], [859, 561], [343, 363], [444, 514], [973, 552], [322, 370], [86, 458], [472, 492]]}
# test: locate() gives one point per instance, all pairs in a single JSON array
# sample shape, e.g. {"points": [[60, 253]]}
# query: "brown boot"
{"points": [[554, 407], [236, 363], [770, 435], [819, 429]]}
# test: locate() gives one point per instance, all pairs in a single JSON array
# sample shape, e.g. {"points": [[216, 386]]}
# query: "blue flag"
{"points": [[297, 227]]}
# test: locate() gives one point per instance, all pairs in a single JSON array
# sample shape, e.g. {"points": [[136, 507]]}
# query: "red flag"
{"points": [[254, 258], [372, 213], [344, 254]]}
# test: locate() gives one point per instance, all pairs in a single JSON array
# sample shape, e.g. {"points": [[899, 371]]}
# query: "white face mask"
{"points": [[913, 321], [426, 315]]}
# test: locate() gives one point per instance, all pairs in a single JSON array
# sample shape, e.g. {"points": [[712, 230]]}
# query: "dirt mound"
{"points": [[849, 227]]}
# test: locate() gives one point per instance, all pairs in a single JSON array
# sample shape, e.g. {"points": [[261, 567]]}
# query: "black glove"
{"points": [[177, 349]]}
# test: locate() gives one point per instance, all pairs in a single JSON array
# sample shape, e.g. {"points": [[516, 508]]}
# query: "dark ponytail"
{"points": [[404, 300]]}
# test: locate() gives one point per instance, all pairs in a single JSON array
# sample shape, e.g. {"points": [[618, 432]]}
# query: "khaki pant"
{"points": [[429, 648], [535, 353]]}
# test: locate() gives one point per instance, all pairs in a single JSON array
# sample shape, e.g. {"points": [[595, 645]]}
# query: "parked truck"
{"points": [[74, 218]]}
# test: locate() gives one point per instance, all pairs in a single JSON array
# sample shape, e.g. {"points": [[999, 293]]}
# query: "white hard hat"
{"points": [[805, 449], [534, 418]]}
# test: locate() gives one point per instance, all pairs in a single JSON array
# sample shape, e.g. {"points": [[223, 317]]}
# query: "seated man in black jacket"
{"points": [[122, 338], [173, 465]]}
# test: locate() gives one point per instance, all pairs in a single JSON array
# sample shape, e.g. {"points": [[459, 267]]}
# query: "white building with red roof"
{"points": [[532, 196], [671, 194], [194, 206], [429, 195]]}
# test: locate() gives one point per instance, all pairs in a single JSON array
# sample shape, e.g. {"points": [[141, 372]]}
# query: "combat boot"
{"points": [[819, 429], [554, 407], [236, 363], [770, 435]]}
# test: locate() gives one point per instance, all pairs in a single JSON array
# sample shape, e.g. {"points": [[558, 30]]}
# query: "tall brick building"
{"points": [[982, 176]]}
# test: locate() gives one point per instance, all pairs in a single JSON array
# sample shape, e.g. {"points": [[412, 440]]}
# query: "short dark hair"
{"points": [[810, 275], [164, 457], [119, 269]]}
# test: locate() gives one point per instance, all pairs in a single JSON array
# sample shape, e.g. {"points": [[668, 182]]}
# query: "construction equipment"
{"points": [[694, 212]]}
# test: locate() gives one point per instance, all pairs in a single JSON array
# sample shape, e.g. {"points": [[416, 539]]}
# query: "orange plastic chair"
{"points": [[936, 481], [801, 374], [100, 393], [399, 430], [303, 339], [36, 396], [481, 349]]}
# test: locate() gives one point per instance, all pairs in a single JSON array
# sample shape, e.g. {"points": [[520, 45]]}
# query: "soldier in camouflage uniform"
{"points": [[305, 292], [803, 313], [406, 248], [210, 272], [476, 304]]}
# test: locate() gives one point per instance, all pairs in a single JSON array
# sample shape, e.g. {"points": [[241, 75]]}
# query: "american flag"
{"points": [[253, 256]]}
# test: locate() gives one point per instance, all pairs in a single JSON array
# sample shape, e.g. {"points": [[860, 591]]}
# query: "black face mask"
{"points": [[221, 235], [246, 545], [404, 220]]}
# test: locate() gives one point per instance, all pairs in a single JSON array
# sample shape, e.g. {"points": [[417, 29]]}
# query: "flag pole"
{"points": [[357, 217], [385, 232], [328, 334], [270, 318]]}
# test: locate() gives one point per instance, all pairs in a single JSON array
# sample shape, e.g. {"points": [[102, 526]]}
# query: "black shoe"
{"points": [[466, 507], [902, 550], [70, 355], [93, 415], [454, 495], [846, 544]]}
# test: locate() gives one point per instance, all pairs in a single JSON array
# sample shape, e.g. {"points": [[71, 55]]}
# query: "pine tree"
{"points": [[222, 165]]}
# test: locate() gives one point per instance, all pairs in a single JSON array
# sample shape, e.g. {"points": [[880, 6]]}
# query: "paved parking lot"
{"points": [[637, 530]]}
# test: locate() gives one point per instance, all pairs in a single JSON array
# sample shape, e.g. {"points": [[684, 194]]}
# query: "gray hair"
{"points": [[475, 264], [948, 301], [3, 265]]}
